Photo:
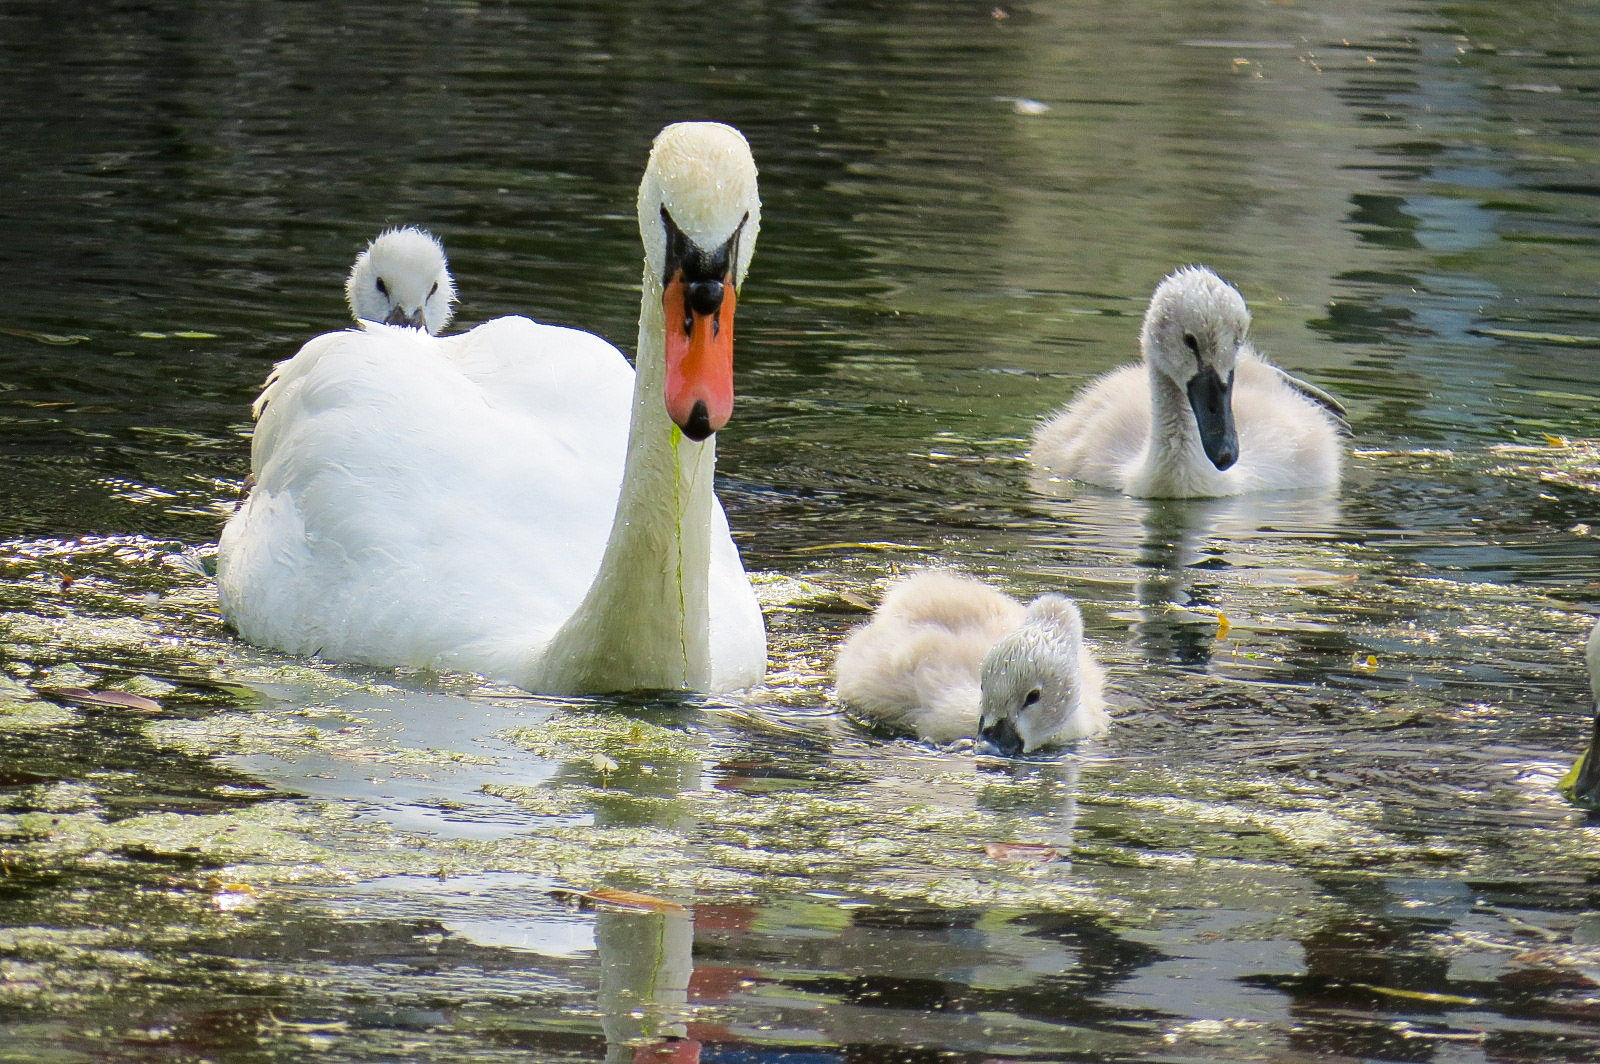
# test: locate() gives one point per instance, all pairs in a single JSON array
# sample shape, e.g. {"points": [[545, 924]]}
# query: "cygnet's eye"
{"points": [[434, 290], [1191, 343], [1031, 697], [383, 289]]}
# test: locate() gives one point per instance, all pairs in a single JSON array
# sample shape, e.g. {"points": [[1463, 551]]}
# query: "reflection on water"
{"points": [[1324, 824]]}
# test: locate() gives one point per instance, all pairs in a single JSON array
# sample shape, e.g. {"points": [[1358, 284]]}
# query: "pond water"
{"points": [[1330, 832]]}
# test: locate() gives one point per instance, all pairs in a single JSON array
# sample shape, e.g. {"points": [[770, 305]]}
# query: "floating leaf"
{"points": [[1539, 337], [1366, 664], [1029, 852], [1223, 627], [53, 339], [82, 696], [622, 899], [1419, 995], [873, 545]]}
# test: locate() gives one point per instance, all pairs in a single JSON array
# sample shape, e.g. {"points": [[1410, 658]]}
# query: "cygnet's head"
{"points": [[402, 279], [1034, 693], [699, 213], [1192, 334]]}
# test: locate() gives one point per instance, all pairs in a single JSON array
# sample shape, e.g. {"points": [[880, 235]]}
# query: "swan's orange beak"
{"points": [[699, 353]]}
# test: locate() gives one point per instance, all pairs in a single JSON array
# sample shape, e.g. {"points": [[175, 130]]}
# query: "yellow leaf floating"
{"points": [[1366, 664], [1223, 627], [1555, 441], [1419, 995]]}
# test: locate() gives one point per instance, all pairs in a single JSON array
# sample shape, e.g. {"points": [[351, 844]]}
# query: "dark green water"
{"points": [[1330, 835]]}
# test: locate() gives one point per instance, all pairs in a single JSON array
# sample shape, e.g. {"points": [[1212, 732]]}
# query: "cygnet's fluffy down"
{"points": [[945, 654], [1204, 415], [402, 278]]}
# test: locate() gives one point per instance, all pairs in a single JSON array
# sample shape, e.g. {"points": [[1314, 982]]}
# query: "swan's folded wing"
{"points": [[406, 512], [1315, 394]]}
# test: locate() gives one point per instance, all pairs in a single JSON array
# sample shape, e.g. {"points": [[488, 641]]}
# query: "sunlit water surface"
{"points": [[1329, 831]]}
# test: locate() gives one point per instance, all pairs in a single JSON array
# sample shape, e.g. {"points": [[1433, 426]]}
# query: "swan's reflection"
{"points": [[1186, 557]]}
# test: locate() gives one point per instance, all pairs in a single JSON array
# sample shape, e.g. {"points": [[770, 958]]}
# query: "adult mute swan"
{"points": [[402, 279], [1204, 415], [1582, 783], [516, 500], [947, 656]]}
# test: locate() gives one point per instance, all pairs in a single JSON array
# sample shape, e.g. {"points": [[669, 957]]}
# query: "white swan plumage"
{"points": [[946, 656], [402, 278], [516, 500], [1204, 415]]}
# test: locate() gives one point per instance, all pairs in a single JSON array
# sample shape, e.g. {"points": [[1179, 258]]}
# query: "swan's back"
{"points": [[914, 666], [428, 501]]}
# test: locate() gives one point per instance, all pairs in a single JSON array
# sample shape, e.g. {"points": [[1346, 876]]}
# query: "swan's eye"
{"points": [[1191, 343], [1031, 697], [434, 290], [383, 289]]}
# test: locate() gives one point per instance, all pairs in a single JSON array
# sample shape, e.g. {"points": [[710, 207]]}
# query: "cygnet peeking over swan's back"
{"points": [[945, 655], [402, 278], [1204, 414]]}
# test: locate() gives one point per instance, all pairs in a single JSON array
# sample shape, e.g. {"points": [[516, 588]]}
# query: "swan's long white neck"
{"points": [[645, 622]]}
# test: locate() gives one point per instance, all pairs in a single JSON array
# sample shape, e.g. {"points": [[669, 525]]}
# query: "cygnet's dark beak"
{"points": [[1000, 737], [401, 316], [1211, 399]]}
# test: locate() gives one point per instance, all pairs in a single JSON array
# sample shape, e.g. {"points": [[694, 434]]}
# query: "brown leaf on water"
{"points": [[82, 696], [622, 899], [1027, 852]]}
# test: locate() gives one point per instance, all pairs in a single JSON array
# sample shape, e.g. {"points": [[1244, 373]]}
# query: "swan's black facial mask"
{"points": [[1211, 399]]}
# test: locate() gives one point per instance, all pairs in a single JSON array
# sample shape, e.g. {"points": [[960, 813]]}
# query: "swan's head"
{"points": [[1192, 334], [699, 214], [1033, 693], [1582, 784], [402, 279]]}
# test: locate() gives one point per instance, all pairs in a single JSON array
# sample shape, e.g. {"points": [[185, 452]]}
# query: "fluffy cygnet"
{"points": [[1203, 415], [402, 278], [946, 656], [1040, 683]]}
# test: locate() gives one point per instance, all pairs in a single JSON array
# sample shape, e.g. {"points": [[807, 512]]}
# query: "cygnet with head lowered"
{"points": [[1203, 415], [945, 656], [1040, 684]]}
